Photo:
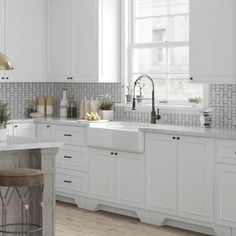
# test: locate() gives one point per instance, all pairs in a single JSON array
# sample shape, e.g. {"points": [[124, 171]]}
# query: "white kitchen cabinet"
{"points": [[117, 177], [2, 33], [26, 130], [161, 169], [226, 195], [195, 177], [60, 40], [44, 131], [101, 174], [212, 40], [24, 39], [180, 168], [83, 40], [129, 179]]}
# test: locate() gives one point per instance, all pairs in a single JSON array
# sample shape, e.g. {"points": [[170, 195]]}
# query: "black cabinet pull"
{"points": [[112, 153], [67, 157], [67, 135], [178, 138], [48, 126], [67, 181], [3, 78], [16, 126], [191, 78], [7, 77], [116, 154], [173, 137]]}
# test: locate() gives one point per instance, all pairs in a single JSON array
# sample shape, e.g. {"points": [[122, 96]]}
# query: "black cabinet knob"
{"points": [[48, 126], [178, 138], [112, 153], [16, 126], [3, 78], [173, 137], [116, 154], [191, 78]]}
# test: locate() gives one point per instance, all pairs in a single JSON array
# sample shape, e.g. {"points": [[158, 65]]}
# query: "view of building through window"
{"points": [[160, 48]]}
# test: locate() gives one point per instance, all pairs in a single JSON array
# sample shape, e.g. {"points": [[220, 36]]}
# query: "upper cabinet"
{"points": [[83, 40], [213, 40], [22, 39]]}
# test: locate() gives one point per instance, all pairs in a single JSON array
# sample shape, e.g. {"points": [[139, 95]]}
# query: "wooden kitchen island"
{"points": [[19, 152]]}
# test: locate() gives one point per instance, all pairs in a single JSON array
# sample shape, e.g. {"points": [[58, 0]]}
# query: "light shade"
{"points": [[5, 63]]}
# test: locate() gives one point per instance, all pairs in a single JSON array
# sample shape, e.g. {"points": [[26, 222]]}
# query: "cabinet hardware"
{"points": [[3, 78], [191, 78], [112, 153], [67, 157], [173, 137], [178, 138], [15, 126], [116, 154], [7, 77], [48, 126], [67, 135], [67, 181]]}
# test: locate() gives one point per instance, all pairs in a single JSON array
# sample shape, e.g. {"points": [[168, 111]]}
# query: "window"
{"points": [[159, 47]]}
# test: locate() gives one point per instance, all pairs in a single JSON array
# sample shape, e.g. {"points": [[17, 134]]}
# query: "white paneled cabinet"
{"points": [[26, 130], [23, 39], [171, 163], [161, 165], [83, 41], [212, 40], [195, 177], [43, 131], [116, 177]]}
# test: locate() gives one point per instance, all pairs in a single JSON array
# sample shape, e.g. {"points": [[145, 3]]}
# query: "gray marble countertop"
{"points": [[19, 143]]}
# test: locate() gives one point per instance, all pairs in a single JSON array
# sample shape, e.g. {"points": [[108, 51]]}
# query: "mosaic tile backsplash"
{"points": [[222, 98], [18, 95]]}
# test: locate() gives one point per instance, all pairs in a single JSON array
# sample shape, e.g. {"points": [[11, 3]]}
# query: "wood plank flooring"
{"points": [[71, 221]]}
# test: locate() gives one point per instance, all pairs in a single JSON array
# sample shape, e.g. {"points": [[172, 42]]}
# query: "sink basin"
{"points": [[116, 136]]}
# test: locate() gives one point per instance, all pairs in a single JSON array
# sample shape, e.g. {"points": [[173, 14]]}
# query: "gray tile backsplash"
{"points": [[18, 95], [222, 98]]}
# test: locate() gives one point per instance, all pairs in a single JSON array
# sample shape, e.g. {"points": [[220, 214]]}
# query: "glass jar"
{"points": [[72, 108]]}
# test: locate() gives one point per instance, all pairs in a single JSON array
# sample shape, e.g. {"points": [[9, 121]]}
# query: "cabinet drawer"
{"points": [[226, 151], [71, 182], [69, 135], [73, 157]]}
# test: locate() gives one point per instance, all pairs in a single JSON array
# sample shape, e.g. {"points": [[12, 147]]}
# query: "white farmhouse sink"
{"points": [[116, 136]]}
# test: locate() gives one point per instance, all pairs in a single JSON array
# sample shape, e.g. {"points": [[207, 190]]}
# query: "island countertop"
{"points": [[19, 143]]}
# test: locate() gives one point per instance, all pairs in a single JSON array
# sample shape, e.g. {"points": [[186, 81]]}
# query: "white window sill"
{"points": [[164, 108]]}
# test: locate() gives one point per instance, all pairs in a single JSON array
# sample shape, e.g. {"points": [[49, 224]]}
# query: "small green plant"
{"points": [[141, 85], [106, 106], [4, 115], [195, 100], [129, 89]]}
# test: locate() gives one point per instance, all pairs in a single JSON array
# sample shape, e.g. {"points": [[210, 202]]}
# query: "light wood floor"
{"points": [[71, 221]]}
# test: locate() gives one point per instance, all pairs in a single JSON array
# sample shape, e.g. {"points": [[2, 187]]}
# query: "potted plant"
{"points": [[129, 93], [4, 118], [195, 101], [106, 111], [140, 97]]}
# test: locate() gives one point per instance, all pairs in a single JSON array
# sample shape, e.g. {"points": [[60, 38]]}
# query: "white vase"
{"points": [[106, 115], [3, 135]]}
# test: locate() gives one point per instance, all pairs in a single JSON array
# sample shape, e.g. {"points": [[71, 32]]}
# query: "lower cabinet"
{"points": [[26, 130], [180, 176], [116, 177]]}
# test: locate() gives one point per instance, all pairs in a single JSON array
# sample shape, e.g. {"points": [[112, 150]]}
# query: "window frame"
{"points": [[128, 45]]}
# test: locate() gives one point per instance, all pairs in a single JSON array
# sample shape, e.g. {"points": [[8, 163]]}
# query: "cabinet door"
{"points": [[161, 167], [101, 175], [26, 130], [212, 40], [195, 167], [60, 40], [24, 39], [44, 131], [86, 40], [129, 179], [226, 195]]}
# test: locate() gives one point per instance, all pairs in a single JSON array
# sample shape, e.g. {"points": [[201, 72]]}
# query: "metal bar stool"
{"points": [[26, 187]]}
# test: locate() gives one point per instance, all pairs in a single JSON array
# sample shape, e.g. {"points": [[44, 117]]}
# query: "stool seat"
{"points": [[21, 178]]}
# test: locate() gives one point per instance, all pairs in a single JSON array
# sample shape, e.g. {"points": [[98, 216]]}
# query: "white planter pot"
{"points": [[3, 135], [106, 115]]}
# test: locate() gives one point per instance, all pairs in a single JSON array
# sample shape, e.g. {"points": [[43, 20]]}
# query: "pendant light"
{"points": [[5, 63]]}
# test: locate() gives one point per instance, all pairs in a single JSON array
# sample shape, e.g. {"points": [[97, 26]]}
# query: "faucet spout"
{"points": [[154, 115]]}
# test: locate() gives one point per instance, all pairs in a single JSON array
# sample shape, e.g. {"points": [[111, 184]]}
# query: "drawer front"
{"points": [[73, 157], [69, 135], [226, 151], [71, 182]]}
